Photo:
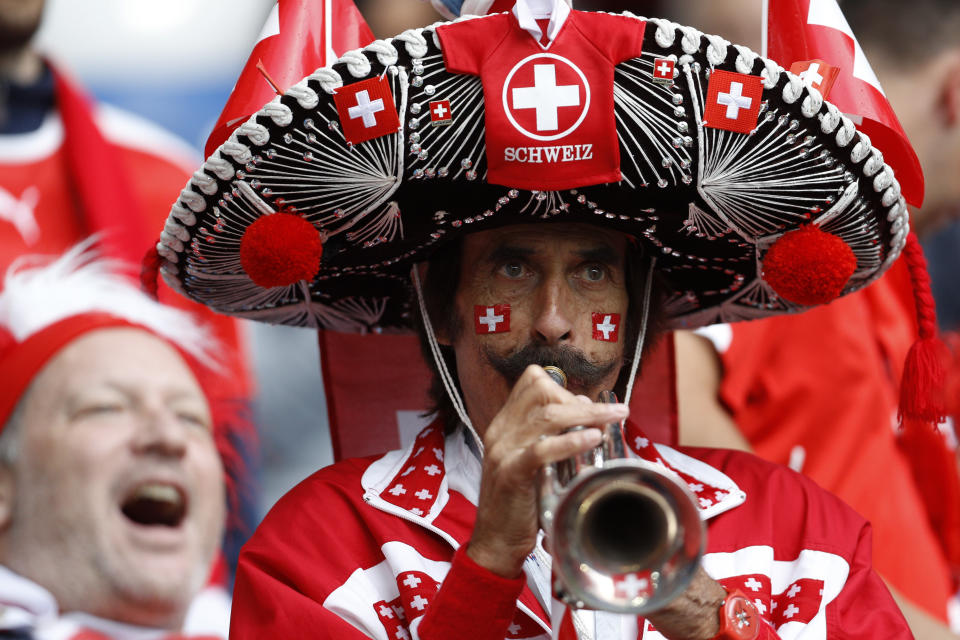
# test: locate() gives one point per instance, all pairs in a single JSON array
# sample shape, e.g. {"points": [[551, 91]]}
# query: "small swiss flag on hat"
{"points": [[733, 101], [366, 110], [663, 70], [817, 74], [440, 112]]}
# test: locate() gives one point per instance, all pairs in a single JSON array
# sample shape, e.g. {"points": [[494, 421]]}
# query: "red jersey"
{"points": [[825, 401], [548, 107]]}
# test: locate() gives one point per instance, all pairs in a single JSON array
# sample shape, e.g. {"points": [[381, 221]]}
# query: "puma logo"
{"points": [[20, 212]]}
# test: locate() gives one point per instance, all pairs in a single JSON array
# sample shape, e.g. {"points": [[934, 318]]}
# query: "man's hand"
{"points": [[523, 437], [694, 614]]}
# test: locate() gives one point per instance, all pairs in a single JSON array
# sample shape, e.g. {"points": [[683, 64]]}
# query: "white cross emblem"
{"points": [[423, 494], [440, 111], [491, 320], [412, 581], [794, 590], [632, 586], [397, 490], [762, 608], [366, 109], [546, 97], [438, 453], [419, 603], [402, 634], [812, 75], [753, 584], [791, 611], [20, 212], [432, 470], [513, 629], [386, 612], [641, 443], [606, 327], [735, 100], [663, 68]]}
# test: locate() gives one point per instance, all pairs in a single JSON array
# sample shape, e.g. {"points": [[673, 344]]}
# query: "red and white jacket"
{"points": [[368, 548]]}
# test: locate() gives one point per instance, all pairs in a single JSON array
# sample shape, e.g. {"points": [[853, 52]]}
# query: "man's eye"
{"points": [[594, 273], [99, 409], [512, 269]]}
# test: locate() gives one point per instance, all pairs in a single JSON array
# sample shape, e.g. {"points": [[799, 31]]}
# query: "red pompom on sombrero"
{"points": [[280, 249], [809, 266]]}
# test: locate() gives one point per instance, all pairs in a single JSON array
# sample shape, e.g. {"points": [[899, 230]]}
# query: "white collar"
{"points": [[23, 603], [528, 11]]}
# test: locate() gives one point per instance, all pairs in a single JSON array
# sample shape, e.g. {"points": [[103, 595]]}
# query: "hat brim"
{"points": [[707, 202]]}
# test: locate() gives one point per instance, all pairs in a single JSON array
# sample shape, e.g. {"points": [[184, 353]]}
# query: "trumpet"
{"points": [[625, 534]]}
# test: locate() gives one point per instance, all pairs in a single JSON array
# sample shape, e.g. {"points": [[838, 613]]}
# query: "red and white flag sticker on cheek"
{"points": [[491, 319], [366, 110], [733, 101], [606, 327]]}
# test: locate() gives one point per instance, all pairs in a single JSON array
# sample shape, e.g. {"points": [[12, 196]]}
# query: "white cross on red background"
{"points": [[735, 100], [412, 581], [753, 584], [664, 68], [546, 97], [632, 586], [440, 111], [606, 327], [366, 109], [419, 602], [491, 320], [812, 76]]}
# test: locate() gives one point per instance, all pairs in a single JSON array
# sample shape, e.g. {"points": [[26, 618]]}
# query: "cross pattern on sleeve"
{"points": [[417, 484]]}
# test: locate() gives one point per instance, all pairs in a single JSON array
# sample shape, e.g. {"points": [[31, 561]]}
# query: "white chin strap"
{"points": [[447, 378]]}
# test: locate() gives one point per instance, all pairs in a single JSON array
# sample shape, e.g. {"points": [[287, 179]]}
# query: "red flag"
{"points": [[376, 390], [366, 110], [298, 37], [799, 30], [733, 101]]}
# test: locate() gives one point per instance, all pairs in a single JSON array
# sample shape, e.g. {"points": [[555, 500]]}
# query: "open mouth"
{"points": [[154, 504]]}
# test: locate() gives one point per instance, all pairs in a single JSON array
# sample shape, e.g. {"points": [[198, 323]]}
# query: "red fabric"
{"points": [[733, 101], [99, 179], [817, 73], [580, 146], [331, 552], [366, 110], [469, 583], [795, 33], [831, 389], [306, 40], [367, 378], [48, 180]]}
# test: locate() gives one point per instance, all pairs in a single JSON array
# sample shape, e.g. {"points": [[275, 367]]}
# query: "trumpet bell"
{"points": [[626, 537]]}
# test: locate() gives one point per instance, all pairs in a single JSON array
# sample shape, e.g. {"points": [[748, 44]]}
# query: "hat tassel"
{"points": [[922, 393], [922, 407], [150, 272]]}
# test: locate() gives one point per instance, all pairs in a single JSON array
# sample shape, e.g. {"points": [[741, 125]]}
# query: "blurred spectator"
{"points": [[112, 492], [70, 167], [845, 359]]}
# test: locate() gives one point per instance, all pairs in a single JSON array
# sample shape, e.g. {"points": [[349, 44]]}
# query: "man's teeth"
{"points": [[157, 493]]}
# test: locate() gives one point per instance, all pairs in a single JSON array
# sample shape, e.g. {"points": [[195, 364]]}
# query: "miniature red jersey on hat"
{"points": [[549, 107], [366, 110]]}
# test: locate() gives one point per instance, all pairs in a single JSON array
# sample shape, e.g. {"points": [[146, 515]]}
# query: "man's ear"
{"points": [[7, 487], [949, 81]]}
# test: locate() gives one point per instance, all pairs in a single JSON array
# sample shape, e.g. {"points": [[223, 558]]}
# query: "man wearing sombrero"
{"points": [[557, 185]]}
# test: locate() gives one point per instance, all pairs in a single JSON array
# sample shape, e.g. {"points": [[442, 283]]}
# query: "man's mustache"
{"points": [[581, 372]]}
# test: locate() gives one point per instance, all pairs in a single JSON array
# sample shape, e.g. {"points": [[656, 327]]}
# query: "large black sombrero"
{"points": [[790, 210]]}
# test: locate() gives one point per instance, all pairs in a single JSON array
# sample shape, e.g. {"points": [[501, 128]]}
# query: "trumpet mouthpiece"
{"points": [[557, 374]]}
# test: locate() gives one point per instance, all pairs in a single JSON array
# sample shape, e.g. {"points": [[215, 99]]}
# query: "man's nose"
{"points": [[553, 320], [160, 432]]}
